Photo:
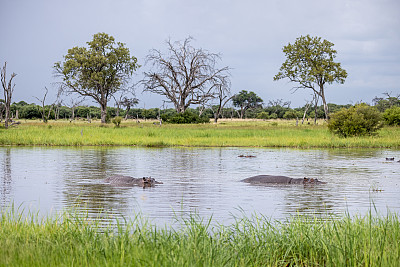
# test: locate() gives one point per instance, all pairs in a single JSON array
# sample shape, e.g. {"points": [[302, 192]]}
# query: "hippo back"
{"points": [[121, 180], [268, 179]]}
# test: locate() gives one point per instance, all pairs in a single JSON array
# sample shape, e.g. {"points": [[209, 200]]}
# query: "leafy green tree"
{"points": [[310, 64], [358, 120], [246, 100], [392, 116], [98, 71]]}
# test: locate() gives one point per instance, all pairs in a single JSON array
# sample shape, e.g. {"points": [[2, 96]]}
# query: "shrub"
{"points": [[273, 116], [359, 120], [117, 121], [263, 115], [291, 114], [186, 117], [392, 116]]}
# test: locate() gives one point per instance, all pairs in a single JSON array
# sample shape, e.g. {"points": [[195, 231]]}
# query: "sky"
{"points": [[249, 35]]}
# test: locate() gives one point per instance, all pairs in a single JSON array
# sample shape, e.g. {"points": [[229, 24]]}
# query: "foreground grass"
{"points": [[71, 240], [224, 134]]}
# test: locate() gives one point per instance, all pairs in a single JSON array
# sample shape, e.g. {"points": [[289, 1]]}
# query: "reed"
{"points": [[246, 133], [71, 239]]}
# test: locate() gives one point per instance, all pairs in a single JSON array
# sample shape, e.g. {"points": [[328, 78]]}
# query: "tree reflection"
{"points": [[6, 185]]}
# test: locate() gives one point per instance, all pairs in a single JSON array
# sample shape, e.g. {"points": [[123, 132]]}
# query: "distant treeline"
{"points": [[23, 110]]}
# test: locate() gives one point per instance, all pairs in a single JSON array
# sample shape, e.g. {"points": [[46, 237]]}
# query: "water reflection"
{"points": [[203, 180], [6, 177]]}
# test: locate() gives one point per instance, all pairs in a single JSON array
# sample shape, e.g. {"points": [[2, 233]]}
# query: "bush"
{"points": [[184, 118], [117, 121], [263, 115], [392, 116], [291, 114], [359, 120]]}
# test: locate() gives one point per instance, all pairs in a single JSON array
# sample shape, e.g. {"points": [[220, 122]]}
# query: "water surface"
{"points": [[201, 180]]}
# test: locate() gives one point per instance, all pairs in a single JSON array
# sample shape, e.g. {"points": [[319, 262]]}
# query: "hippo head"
{"points": [[148, 181], [312, 181]]}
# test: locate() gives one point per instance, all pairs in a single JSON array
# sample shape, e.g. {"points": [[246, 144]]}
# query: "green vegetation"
{"points": [[185, 118], [359, 120], [310, 64], [69, 239], [117, 121], [98, 71], [392, 116], [227, 133]]}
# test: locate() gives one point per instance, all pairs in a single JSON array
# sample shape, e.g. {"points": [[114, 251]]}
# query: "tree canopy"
{"points": [[246, 100], [310, 63], [98, 71]]}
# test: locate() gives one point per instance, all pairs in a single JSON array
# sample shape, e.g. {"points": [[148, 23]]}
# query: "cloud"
{"points": [[249, 35]]}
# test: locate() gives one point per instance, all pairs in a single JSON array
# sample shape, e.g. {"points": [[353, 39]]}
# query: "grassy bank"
{"points": [[70, 240], [224, 134]]}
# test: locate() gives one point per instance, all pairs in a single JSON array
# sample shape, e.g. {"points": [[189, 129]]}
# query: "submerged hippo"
{"points": [[121, 180], [271, 179]]}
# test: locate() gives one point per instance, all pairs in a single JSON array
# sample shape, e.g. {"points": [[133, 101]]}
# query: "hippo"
{"points": [[391, 159], [121, 180], [272, 179]]}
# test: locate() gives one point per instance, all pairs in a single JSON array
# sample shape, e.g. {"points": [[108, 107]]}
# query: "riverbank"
{"points": [[69, 239], [227, 133]]}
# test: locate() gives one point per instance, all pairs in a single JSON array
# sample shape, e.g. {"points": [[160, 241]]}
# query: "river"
{"points": [[205, 181]]}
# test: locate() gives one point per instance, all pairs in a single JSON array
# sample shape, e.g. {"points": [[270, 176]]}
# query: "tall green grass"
{"points": [[74, 240], [224, 134]]}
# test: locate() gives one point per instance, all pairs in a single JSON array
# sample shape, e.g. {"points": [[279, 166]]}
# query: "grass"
{"points": [[73, 240], [227, 133]]}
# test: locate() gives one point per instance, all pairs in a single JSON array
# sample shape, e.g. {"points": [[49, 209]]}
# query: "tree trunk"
{"points": [[103, 112], [322, 95], [326, 110], [305, 112], [7, 118], [127, 111]]}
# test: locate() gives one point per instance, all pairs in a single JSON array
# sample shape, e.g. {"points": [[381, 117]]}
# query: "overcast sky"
{"points": [[249, 35]]}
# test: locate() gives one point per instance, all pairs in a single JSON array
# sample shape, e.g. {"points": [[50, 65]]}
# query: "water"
{"points": [[201, 180]]}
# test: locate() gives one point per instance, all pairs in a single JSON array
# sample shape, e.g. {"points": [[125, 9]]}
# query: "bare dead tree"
{"points": [[185, 75], [307, 106], [278, 103], [73, 103], [8, 89], [45, 117], [122, 99], [223, 97]]}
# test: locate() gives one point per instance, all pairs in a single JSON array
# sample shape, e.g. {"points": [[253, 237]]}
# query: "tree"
{"points": [[45, 117], [222, 96], [128, 103], [98, 71], [309, 62], [8, 89], [246, 100], [185, 75]]}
